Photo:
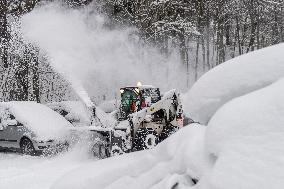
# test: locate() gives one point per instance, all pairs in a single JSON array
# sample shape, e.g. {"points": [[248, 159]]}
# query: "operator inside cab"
{"points": [[128, 100]]}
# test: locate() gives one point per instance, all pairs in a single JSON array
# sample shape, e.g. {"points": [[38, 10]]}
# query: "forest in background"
{"points": [[205, 32]]}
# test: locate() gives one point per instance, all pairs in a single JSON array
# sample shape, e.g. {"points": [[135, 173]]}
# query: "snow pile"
{"points": [[161, 167], [246, 137], [39, 119], [232, 79]]}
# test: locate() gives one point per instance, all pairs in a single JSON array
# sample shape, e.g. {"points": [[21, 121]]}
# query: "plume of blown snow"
{"points": [[85, 51]]}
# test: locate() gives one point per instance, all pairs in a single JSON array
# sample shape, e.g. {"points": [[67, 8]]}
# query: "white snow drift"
{"points": [[246, 136], [233, 78]]}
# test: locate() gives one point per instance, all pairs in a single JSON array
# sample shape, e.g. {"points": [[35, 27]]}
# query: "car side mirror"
{"points": [[12, 122]]}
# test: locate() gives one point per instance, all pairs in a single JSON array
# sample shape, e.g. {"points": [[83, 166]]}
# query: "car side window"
{"points": [[8, 119]]}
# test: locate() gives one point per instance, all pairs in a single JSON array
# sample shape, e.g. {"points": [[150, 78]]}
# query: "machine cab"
{"points": [[134, 99]]}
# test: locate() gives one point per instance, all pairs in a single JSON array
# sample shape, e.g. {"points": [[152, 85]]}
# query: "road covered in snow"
{"points": [[162, 167], [32, 172]]}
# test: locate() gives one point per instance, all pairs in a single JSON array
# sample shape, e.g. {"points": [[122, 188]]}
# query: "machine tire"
{"points": [[145, 139], [27, 147], [116, 150], [151, 140], [167, 131]]}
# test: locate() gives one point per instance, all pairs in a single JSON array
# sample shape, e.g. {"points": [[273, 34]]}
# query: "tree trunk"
{"points": [[208, 43], [196, 60], [4, 33], [36, 92], [238, 35], [203, 52]]}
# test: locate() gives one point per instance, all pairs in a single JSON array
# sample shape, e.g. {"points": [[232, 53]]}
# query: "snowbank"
{"points": [[176, 160], [232, 79], [41, 120], [246, 137]]}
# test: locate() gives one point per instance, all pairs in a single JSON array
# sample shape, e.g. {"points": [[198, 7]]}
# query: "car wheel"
{"points": [[27, 147]]}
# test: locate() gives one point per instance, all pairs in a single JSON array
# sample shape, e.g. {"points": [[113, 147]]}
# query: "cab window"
{"points": [[128, 98]]}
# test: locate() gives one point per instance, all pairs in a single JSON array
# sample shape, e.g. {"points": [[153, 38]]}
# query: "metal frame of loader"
{"points": [[113, 144], [118, 140]]}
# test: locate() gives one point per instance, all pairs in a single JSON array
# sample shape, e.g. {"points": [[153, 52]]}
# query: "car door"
{"points": [[14, 131], [2, 134], [3, 129]]}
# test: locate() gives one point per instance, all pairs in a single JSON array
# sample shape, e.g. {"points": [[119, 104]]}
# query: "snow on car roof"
{"points": [[74, 108], [79, 110], [41, 120]]}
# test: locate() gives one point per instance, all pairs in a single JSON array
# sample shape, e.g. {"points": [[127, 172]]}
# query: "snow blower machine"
{"points": [[144, 119]]}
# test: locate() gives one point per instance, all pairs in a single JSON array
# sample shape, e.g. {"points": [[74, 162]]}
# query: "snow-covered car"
{"points": [[31, 127], [77, 113], [73, 111]]}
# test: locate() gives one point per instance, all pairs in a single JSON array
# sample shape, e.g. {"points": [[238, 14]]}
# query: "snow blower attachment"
{"points": [[145, 118]]}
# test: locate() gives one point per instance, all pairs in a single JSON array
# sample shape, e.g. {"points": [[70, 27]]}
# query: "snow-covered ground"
{"points": [[241, 147], [177, 160], [28, 172], [241, 102], [77, 169]]}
